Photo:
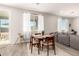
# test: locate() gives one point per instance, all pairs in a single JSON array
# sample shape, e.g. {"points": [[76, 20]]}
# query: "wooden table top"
{"points": [[41, 36]]}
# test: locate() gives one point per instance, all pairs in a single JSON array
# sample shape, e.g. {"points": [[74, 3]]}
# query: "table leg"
{"points": [[47, 50], [39, 47]]}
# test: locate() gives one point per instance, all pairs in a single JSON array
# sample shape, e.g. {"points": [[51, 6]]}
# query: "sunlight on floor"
{"points": [[3, 42]]}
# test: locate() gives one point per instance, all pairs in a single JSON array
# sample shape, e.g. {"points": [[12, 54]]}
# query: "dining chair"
{"points": [[34, 42], [20, 38], [49, 41], [55, 34], [38, 33]]}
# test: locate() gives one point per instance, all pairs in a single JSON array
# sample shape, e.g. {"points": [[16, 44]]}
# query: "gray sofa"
{"points": [[64, 39], [74, 41], [68, 40]]}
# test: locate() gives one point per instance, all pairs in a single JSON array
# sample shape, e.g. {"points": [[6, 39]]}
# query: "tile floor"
{"points": [[24, 50]]}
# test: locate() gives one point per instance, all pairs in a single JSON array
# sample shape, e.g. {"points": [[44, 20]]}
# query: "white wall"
{"points": [[50, 23], [16, 24]]}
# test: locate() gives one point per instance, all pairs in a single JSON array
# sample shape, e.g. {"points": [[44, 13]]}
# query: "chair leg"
{"points": [[42, 47], [47, 50], [39, 48], [31, 48], [52, 47], [54, 50]]}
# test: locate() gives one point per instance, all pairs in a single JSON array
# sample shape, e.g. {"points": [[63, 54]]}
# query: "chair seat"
{"points": [[35, 41]]}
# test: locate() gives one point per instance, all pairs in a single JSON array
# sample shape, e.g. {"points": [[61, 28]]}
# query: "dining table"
{"points": [[41, 38]]}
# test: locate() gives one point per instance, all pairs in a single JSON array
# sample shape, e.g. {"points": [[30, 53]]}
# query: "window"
{"points": [[4, 25], [34, 23], [63, 25]]}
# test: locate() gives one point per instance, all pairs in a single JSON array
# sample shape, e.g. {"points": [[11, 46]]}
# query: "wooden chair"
{"points": [[49, 41], [37, 33], [34, 42], [55, 34]]}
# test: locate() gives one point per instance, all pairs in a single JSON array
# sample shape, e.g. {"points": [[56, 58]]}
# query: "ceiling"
{"points": [[61, 9]]}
